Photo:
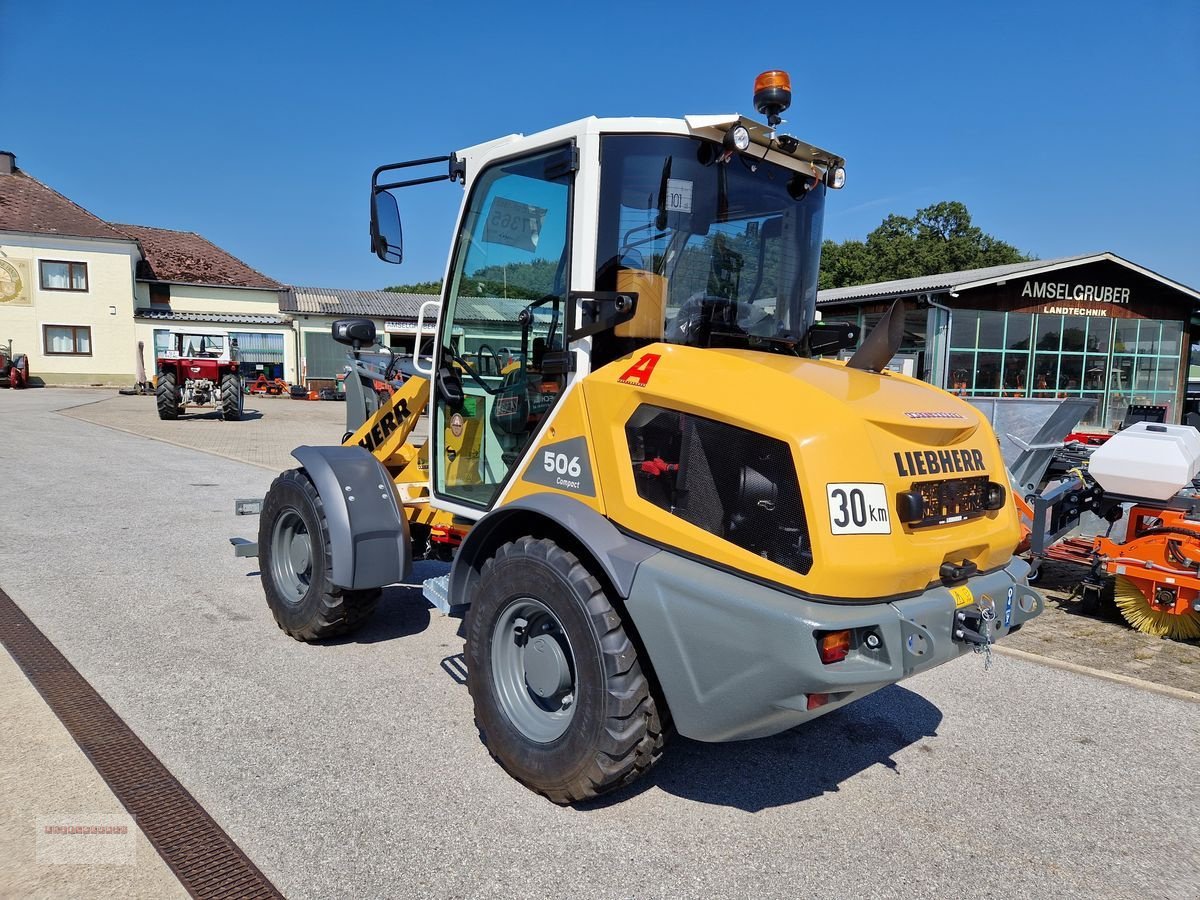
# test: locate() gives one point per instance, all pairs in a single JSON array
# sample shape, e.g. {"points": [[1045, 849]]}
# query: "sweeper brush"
{"points": [[1157, 617]]}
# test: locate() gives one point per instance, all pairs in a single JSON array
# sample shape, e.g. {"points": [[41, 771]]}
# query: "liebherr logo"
{"points": [[938, 462]]}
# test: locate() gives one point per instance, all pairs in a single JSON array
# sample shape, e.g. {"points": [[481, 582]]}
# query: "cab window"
{"points": [[505, 312]]}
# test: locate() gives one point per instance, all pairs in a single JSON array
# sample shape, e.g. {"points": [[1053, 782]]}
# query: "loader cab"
{"points": [[580, 245]]}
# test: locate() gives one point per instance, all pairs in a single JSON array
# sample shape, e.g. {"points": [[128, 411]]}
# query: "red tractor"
{"points": [[14, 368], [198, 367]]}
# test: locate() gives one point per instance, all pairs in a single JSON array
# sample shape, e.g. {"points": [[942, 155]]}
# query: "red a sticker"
{"points": [[639, 373]]}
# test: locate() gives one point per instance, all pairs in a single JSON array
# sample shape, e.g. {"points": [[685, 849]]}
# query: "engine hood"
{"points": [[882, 435]]}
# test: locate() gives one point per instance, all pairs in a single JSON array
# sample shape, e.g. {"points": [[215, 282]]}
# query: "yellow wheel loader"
{"points": [[674, 514]]}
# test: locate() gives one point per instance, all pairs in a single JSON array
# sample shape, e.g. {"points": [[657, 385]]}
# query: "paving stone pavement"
{"points": [[270, 428]]}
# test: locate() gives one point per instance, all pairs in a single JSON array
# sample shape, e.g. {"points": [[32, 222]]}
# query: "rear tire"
{"points": [[167, 396], [297, 565], [576, 718], [231, 397]]}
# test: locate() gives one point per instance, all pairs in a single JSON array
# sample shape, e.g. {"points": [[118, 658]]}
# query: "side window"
{"points": [[733, 483], [505, 310]]}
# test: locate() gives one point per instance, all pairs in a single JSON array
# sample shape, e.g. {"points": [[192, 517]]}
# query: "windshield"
{"points": [[720, 253], [197, 345]]}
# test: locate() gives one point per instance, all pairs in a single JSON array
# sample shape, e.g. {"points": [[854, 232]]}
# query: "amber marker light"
{"points": [[833, 646], [773, 94]]}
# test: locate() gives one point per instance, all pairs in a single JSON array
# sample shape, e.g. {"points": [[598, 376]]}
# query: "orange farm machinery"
{"points": [[1143, 476]]}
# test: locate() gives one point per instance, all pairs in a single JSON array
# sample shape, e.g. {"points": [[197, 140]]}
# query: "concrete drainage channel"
{"points": [[203, 857]]}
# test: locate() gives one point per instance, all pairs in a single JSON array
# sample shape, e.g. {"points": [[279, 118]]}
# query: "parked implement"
{"points": [[14, 367], [1144, 475], [198, 367], [679, 517]]}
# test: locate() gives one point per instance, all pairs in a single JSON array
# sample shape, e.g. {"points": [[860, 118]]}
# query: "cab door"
{"points": [[503, 316]]}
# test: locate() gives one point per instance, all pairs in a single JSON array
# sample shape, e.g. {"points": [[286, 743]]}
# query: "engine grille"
{"points": [[734, 483]]}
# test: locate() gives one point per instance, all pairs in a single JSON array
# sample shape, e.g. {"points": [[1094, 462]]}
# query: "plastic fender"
{"points": [[368, 531], [617, 555]]}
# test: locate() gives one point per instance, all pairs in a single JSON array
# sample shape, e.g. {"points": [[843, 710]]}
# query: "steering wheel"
{"points": [[696, 312], [474, 375], [492, 353]]}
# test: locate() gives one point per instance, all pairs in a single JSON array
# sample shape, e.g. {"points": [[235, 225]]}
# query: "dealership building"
{"points": [[1095, 326]]}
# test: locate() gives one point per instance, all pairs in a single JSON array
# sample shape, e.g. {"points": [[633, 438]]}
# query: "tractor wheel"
{"points": [[231, 397], [297, 564], [167, 395], [560, 697]]}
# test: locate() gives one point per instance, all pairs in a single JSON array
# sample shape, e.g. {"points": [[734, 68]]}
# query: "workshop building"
{"points": [[1095, 326]]}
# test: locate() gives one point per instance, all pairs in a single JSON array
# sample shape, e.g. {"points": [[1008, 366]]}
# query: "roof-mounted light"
{"points": [[772, 94], [836, 177], [737, 138]]}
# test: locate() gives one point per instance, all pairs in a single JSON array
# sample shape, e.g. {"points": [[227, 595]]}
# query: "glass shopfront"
{"points": [[1116, 362]]}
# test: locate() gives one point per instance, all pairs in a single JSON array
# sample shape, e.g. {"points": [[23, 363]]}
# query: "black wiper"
{"points": [[737, 339]]}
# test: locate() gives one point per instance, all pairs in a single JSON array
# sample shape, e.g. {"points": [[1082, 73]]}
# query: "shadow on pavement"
{"points": [[797, 765], [402, 612]]}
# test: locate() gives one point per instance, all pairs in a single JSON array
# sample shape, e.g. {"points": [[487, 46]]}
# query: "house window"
{"points": [[160, 293], [67, 340], [64, 276]]}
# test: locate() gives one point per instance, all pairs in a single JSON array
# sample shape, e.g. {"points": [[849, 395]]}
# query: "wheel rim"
{"points": [[291, 556], [533, 667]]}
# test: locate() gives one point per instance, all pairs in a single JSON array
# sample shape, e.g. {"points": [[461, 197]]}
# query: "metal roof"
{"points": [[972, 278], [943, 280], [341, 302], [383, 304], [231, 318]]}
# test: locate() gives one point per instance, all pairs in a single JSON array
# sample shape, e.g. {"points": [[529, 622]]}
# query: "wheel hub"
{"points": [[300, 552], [533, 668], [546, 669], [291, 556]]}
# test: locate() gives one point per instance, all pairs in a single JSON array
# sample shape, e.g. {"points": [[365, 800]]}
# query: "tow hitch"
{"points": [[973, 625]]}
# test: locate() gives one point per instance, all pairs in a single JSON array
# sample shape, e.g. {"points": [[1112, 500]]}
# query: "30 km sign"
{"points": [[856, 508]]}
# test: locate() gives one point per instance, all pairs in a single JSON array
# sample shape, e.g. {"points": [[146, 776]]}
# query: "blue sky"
{"points": [[1066, 127]]}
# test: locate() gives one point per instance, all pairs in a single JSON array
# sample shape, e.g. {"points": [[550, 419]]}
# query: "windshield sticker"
{"points": [[514, 224], [679, 196]]}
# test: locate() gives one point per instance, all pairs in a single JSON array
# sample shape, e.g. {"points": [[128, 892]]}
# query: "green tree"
{"points": [[939, 238], [420, 287]]}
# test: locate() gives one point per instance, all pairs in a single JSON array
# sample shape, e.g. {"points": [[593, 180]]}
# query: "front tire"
{"points": [[560, 697], [167, 396], [231, 397], [297, 565]]}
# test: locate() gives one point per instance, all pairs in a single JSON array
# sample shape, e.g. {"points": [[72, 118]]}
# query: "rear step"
{"points": [[437, 593]]}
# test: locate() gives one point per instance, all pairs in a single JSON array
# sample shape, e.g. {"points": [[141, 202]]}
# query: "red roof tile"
{"points": [[185, 257], [29, 206]]}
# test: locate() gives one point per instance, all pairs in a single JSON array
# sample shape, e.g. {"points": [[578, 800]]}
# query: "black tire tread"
{"points": [[231, 391], [635, 734], [166, 396], [340, 611]]}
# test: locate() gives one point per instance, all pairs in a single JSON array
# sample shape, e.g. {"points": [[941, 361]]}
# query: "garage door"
{"points": [[323, 356]]}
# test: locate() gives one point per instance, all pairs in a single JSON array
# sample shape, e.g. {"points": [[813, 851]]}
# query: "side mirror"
{"points": [[449, 387], [387, 236], [826, 338], [354, 332]]}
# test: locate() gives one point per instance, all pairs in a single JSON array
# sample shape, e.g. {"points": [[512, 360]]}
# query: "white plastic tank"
{"points": [[1147, 460]]}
